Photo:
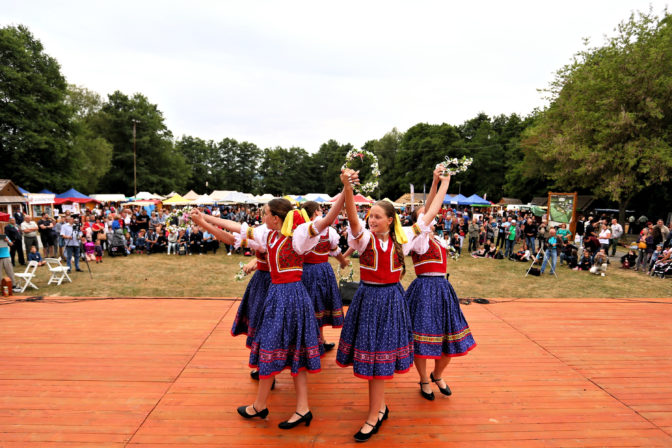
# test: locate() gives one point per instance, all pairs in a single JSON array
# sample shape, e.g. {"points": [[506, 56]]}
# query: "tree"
{"points": [[386, 150], [286, 171], [607, 127], [328, 162], [92, 154], [35, 122], [160, 167]]}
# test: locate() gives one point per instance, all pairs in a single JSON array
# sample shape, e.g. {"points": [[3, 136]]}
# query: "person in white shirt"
{"points": [[616, 234], [29, 229], [604, 236]]}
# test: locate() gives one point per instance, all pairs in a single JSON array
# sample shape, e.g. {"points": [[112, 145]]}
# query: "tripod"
{"points": [[545, 259]]}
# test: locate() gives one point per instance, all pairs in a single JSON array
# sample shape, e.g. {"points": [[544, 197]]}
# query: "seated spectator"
{"points": [[524, 254], [573, 259], [628, 260], [161, 243], [456, 243], [196, 241], [585, 262], [566, 252], [34, 255], [89, 249], [600, 263], [182, 243], [211, 243], [654, 257], [152, 240], [141, 242], [172, 241]]}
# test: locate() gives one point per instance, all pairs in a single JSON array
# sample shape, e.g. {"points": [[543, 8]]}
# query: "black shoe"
{"points": [[361, 437], [261, 414], [445, 390], [384, 417], [79, 270], [255, 375], [307, 417], [329, 346], [425, 395]]}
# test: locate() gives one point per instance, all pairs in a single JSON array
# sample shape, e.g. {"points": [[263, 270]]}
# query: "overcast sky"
{"points": [[293, 73]]}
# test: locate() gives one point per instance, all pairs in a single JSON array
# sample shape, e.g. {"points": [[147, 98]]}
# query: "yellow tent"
{"points": [[177, 200]]}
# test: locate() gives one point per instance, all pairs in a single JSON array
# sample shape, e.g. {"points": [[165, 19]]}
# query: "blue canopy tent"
{"points": [[458, 199], [475, 199], [22, 190], [45, 191], [319, 200]]}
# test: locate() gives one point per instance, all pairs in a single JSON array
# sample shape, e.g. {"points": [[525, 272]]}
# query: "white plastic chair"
{"points": [[58, 271], [28, 275]]}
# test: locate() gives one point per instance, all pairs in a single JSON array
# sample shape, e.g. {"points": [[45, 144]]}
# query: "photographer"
{"points": [[71, 234], [551, 251]]}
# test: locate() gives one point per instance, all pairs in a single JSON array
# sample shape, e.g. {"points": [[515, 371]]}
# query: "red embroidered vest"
{"points": [[320, 253], [377, 265], [286, 266], [432, 261], [262, 264]]}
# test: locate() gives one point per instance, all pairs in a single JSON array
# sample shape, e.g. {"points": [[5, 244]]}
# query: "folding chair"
{"points": [[28, 275], [58, 271]]}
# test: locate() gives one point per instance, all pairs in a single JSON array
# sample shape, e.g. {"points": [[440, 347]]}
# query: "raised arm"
{"points": [[436, 177], [231, 226], [346, 177], [331, 216], [200, 219], [437, 200]]}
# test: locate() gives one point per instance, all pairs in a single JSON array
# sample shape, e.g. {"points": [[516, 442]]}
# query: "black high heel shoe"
{"points": [[329, 346], [425, 395], [385, 415], [307, 417], [446, 390], [261, 414], [361, 437]]}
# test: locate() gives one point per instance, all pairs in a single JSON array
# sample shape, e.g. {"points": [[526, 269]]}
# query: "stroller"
{"points": [[117, 244], [662, 270]]}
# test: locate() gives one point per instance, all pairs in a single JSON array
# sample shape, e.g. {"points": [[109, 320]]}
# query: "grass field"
{"points": [[213, 276]]}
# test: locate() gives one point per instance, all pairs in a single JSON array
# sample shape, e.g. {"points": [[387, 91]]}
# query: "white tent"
{"points": [[143, 195], [203, 199], [314, 196], [264, 199], [108, 197], [231, 197]]}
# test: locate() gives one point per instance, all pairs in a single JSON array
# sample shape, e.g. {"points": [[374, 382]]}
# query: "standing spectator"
{"points": [[60, 242], [153, 221], [143, 221], [604, 236], [542, 232], [551, 252], [580, 228], [5, 262], [502, 231], [474, 231], [616, 234], [13, 232], [71, 236], [530, 233], [46, 227], [19, 216], [29, 229], [510, 239], [660, 232], [642, 245]]}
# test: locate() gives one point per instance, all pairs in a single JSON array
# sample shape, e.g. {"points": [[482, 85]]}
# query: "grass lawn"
{"points": [[213, 276]]}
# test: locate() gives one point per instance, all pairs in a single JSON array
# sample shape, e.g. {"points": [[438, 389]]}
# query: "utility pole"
{"points": [[135, 175]]}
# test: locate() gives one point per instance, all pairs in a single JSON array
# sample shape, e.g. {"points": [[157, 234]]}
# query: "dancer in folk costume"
{"points": [[377, 338], [440, 330], [318, 275], [257, 288], [286, 336]]}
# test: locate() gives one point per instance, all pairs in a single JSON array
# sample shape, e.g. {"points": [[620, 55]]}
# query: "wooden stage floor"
{"points": [[167, 373]]}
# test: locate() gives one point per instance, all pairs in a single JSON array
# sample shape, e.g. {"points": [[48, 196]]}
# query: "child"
{"points": [[172, 241], [141, 242], [600, 263], [34, 255], [378, 307], [586, 261], [89, 249], [98, 249]]}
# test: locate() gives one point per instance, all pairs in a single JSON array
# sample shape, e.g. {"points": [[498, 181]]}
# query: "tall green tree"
{"points": [[608, 125], [35, 122], [160, 167], [286, 171], [328, 162], [386, 149], [92, 154]]}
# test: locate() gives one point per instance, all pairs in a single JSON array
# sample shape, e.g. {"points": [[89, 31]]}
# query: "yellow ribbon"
{"points": [[288, 224], [399, 231]]}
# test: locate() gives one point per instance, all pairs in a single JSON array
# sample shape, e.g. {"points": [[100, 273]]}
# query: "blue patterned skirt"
{"points": [[320, 282], [377, 339], [287, 335], [439, 327], [251, 305]]}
